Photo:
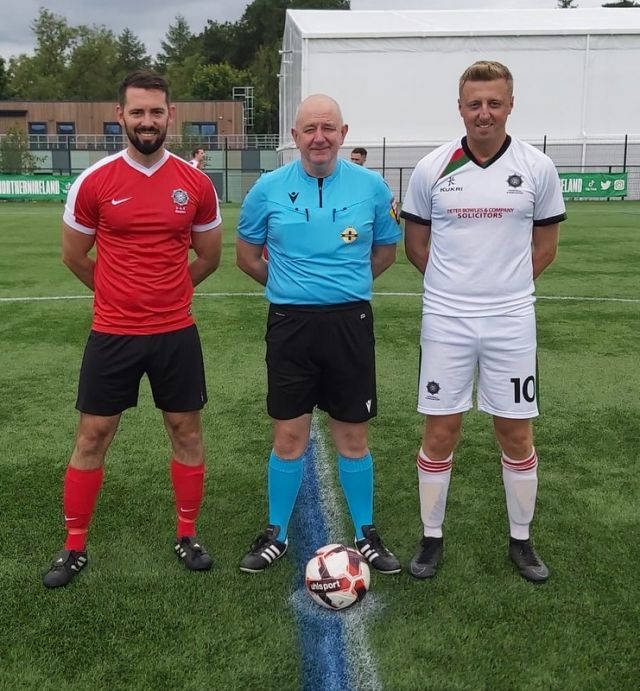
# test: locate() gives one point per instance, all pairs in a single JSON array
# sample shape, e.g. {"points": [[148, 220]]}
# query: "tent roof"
{"points": [[390, 23]]}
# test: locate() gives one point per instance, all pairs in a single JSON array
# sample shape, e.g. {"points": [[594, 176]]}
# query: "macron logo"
{"points": [[368, 404], [115, 202]]}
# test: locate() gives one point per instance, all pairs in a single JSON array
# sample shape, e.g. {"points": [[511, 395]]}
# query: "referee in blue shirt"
{"points": [[330, 227]]}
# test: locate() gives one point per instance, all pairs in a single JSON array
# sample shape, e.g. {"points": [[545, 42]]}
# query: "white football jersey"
{"points": [[481, 218]]}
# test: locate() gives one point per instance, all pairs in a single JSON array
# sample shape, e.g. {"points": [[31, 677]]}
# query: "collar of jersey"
{"points": [[310, 178], [143, 169], [493, 159]]}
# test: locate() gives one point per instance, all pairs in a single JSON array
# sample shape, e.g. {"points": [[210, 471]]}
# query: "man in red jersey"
{"points": [[142, 208]]}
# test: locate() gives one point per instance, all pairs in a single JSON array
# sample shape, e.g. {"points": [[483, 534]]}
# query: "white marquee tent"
{"points": [[395, 73]]}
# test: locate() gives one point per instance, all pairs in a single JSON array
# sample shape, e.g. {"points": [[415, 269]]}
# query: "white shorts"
{"points": [[503, 349]]}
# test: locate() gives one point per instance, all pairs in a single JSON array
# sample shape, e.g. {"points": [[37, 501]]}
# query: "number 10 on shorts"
{"points": [[524, 389]]}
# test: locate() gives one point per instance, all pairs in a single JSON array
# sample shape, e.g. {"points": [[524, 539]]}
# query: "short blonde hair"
{"points": [[486, 71]]}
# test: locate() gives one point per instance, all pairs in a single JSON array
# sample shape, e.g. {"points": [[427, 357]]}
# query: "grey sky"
{"points": [[149, 19]]}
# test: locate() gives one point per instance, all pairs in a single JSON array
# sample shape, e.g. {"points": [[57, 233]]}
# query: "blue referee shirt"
{"points": [[319, 231]]}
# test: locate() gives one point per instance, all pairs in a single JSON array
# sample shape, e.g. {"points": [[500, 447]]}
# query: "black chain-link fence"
{"points": [[615, 156]]}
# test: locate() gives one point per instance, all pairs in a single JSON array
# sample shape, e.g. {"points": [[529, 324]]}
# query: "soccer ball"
{"points": [[337, 576]]}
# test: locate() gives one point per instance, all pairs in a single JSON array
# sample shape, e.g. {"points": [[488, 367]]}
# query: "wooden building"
{"points": [[53, 120]]}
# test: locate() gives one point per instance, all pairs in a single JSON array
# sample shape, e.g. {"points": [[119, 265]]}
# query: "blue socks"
{"points": [[284, 480], [356, 478]]}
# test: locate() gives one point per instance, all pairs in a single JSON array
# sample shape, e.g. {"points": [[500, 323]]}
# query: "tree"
{"points": [[219, 43], [179, 44], [180, 76], [216, 82], [42, 76], [180, 58], [4, 80], [265, 64], [622, 3], [264, 77], [88, 63], [262, 24], [15, 156], [23, 77], [566, 4], [92, 73], [55, 40], [74, 62], [131, 53]]}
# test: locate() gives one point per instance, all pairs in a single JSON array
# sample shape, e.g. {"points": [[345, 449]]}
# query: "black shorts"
{"points": [[113, 366], [322, 356]]}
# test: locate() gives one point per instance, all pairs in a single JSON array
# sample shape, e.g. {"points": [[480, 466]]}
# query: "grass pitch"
{"points": [[136, 620]]}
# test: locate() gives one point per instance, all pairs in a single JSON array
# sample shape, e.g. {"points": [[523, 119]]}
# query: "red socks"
{"points": [[81, 489], [188, 486]]}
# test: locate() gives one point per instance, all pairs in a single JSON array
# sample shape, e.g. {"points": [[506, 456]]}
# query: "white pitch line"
{"points": [[43, 298], [46, 298], [360, 657], [575, 298], [585, 299], [258, 294]]}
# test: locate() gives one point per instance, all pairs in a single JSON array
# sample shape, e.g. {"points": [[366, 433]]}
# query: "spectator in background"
{"points": [[197, 158], [359, 155]]}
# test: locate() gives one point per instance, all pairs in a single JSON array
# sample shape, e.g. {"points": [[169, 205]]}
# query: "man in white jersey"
{"points": [[197, 158], [482, 218]]}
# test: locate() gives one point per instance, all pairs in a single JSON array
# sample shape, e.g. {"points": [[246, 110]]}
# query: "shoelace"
{"points": [[376, 543], [57, 567], [260, 542], [195, 548], [529, 555]]}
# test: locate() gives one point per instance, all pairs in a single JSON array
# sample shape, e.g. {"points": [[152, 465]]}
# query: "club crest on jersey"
{"points": [[180, 198], [349, 234], [514, 181]]}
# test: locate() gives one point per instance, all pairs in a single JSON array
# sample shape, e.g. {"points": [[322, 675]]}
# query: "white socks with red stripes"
{"points": [[520, 480], [521, 486], [433, 483]]}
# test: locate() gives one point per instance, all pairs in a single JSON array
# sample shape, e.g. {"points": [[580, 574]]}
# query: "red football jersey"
{"points": [[142, 219]]}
